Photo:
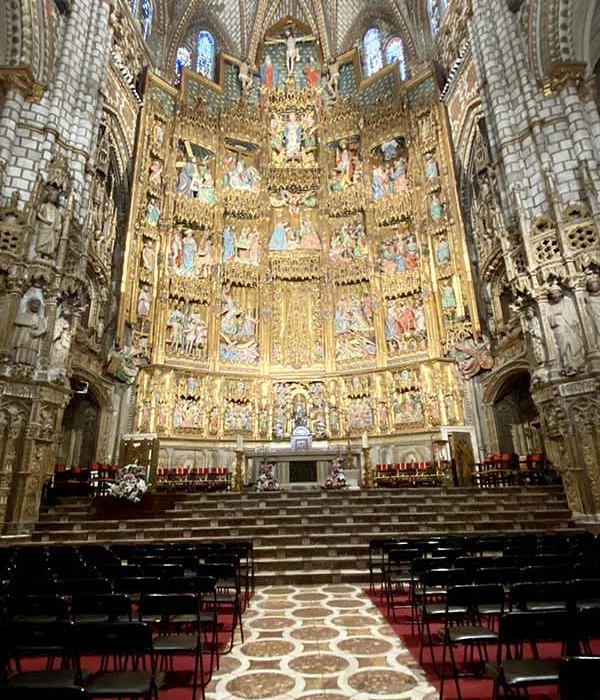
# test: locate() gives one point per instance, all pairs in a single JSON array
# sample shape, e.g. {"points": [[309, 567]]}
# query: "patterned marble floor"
{"points": [[318, 643]]}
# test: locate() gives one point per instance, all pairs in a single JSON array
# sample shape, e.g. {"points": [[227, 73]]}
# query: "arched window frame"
{"points": [[205, 54], [436, 10], [398, 56], [183, 59], [372, 53]]}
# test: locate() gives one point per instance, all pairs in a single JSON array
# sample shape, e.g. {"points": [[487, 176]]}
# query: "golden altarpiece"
{"points": [[295, 248]]}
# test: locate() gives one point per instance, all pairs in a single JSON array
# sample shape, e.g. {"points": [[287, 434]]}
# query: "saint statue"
{"points": [[436, 208], [152, 213], [268, 73], [30, 327], [566, 327], [189, 252], [245, 77], [148, 257], [442, 250], [143, 304], [292, 138], [186, 178], [61, 343], [48, 222], [312, 73], [533, 332], [431, 168], [592, 305]]}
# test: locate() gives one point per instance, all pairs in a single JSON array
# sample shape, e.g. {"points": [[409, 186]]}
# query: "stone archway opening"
{"points": [[518, 425], [80, 427]]}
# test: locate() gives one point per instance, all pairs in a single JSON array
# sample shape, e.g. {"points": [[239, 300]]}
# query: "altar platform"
{"points": [[302, 468]]}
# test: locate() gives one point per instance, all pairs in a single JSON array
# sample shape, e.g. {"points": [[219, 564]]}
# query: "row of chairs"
{"points": [[499, 470], [107, 659], [473, 593], [412, 474], [209, 479], [508, 550]]}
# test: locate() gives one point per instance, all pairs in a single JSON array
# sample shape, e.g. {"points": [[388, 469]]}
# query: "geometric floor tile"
{"points": [[317, 643]]}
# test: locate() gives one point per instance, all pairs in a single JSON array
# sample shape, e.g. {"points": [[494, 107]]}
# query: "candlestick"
{"points": [[239, 443], [365, 440]]}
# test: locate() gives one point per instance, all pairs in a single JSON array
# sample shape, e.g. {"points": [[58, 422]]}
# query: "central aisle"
{"points": [[318, 643]]}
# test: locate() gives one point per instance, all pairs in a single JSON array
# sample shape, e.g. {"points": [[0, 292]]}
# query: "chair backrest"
{"points": [[111, 605], [166, 605], [130, 639], [523, 594], [200, 585], [89, 586], [45, 693], [580, 678], [519, 628], [38, 638], [39, 605]]}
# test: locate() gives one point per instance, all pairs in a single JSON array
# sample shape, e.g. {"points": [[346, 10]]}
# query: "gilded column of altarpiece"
{"points": [[288, 250]]}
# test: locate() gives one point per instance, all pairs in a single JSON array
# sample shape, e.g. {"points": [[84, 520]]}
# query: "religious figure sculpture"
{"points": [[189, 251], [398, 179], [186, 177], [148, 257], [442, 250], [533, 332], [124, 364], [30, 327], [472, 357], [300, 417], [155, 174], [431, 168], [292, 138], [436, 208], [48, 223], [152, 214], [379, 183], [268, 73], [566, 327], [143, 303], [245, 77], [312, 73], [333, 80], [61, 343], [280, 237], [592, 304]]}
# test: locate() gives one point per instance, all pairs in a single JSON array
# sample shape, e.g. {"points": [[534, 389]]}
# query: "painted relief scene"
{"points": [[405, 326], [353, 325], [186, 330], [195, 172], [389, 169], [239, 167], [346, 164], [190, 252], [293, 139], [238, 336], [241, 241], [398, 252], [294, 222], [348, 240]]}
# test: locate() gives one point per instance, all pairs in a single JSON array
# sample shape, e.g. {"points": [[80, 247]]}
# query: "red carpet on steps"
{"points": [[471, 688]]}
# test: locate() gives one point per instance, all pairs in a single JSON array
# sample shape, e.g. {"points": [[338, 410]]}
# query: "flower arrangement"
{"points": [[336, 478], [130, 484], [266, 480]]}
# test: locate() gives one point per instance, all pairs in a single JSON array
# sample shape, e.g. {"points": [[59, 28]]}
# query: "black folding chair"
{"points": [[579, 678], [125, 651], [51, 643], [175, 617], [514, 670], [466, 609], [104, 607]]}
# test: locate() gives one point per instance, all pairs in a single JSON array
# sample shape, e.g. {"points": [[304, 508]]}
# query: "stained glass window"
{"points": [[437, 8], [147, 13], [206, 54], [372, 51], [183, 60], [394, 51]]}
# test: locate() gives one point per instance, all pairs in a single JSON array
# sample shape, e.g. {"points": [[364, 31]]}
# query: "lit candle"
{"points": [[239, 443], [365, 440]]}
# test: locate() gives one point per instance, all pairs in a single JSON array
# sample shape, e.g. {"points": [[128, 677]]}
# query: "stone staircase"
{"points": [[314, 537]]}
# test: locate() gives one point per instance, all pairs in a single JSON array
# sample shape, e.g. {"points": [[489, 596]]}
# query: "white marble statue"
{"points": [[48, 223], [592, 305], [61, 343], [245, 77], [568, 335]]}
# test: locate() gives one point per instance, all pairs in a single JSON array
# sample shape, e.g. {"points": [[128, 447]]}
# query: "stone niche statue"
{"points": [[592, 305], [30, 328], [48, 223], [61, 343], [566, 328]]}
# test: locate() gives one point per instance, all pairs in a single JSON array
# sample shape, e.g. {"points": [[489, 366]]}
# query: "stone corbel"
{"points": [[21, 78]]}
